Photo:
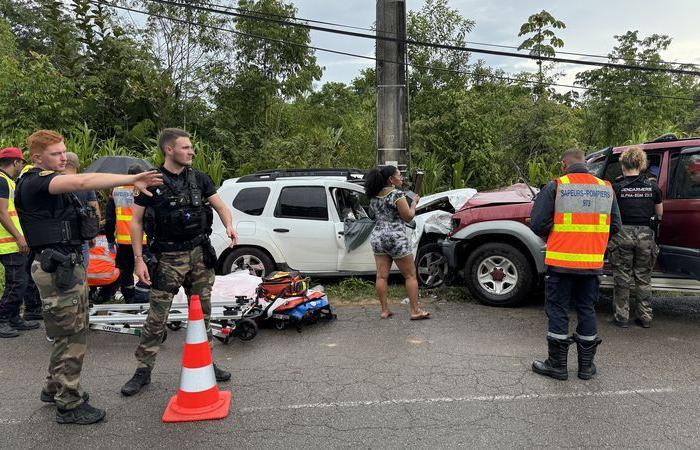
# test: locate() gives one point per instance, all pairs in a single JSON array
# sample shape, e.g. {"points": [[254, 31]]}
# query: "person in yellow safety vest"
{"points": [[118, 215], [576, 214], [14, 251]]}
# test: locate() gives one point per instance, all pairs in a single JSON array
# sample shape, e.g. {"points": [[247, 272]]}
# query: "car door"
{"points": [[301, 229], [351, 204], [679, 239]]}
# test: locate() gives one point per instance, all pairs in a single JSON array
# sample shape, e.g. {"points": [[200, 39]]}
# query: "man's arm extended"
{"points": [[96, 181]]}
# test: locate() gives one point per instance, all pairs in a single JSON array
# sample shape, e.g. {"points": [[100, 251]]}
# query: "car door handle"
{"points": [[340, 233], [280, 230]]}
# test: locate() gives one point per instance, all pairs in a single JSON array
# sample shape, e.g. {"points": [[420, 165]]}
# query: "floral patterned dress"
{"points": [[389, 234]]}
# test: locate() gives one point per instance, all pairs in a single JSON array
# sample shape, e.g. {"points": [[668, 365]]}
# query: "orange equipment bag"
{"points": [[102, 268], [283, 284]]}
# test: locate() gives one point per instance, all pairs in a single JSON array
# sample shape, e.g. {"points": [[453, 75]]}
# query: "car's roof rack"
{"points": [[271, 175], [668, 137]]}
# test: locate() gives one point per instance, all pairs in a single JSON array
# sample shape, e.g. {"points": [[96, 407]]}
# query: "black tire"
{"points": [[433, 265], [245, 330], [509, 264], [241, 254]]}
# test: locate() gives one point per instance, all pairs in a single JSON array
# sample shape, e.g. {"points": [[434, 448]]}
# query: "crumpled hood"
{"points": [[514, 194]]}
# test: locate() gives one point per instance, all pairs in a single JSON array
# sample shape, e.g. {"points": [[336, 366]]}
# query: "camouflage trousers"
{"points": [[66, 321], [175, 269], [633, 254]]}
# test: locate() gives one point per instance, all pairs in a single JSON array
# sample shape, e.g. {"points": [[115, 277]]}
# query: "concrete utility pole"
{"points": [[392, 90]]}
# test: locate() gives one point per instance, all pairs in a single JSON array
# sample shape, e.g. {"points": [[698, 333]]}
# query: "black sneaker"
{"points": [[141, 378], [6, 331], [82, 415], [620, 323], [19, 324], [49, 398], [643, 323], [221, 374], [33, 315]]}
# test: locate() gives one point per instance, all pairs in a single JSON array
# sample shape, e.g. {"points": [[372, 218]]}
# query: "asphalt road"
{"points": [[460, 379]]}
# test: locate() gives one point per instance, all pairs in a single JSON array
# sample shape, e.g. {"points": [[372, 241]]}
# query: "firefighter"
{"points": [[575, 213]]}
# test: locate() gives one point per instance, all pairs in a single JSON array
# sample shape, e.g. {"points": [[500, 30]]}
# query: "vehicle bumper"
{"points": [[449, 251]]}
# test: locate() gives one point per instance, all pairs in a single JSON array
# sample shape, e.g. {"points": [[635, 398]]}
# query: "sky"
{"points": [[590, 28]]}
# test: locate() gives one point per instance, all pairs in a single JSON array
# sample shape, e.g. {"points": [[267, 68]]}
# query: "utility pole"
{"points": [[392, 90]]}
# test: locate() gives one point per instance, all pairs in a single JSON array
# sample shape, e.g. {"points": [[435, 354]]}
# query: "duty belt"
{"points": [[181, 246]]}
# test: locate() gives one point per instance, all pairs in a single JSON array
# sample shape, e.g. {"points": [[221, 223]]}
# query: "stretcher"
{"points": [[228, 319]]}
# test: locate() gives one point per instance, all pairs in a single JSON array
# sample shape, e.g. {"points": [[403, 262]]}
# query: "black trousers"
{"points": [[563, 290], [125, 282], [19, 286]]}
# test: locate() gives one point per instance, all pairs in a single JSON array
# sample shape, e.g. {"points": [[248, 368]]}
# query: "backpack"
{"points": [[283, 284]]}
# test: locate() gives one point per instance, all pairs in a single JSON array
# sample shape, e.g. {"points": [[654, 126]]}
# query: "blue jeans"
{"points": [[563, 290]]}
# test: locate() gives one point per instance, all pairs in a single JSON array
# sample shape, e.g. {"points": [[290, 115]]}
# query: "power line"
{"points": [[431, 44], [559, 52], [370, 58]]}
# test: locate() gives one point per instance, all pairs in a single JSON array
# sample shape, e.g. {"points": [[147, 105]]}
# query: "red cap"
{"points": [[11, 152], [694, 166]]}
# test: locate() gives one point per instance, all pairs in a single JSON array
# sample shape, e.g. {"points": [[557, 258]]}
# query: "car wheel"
{"points": [[249, 258], [498, 274], [431, 266]]}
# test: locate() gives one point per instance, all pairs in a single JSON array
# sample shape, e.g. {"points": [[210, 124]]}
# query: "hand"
{"points": [[23, 246], [416, 199], [142, 271], [92, 243], [145, 180], [231, 233]]}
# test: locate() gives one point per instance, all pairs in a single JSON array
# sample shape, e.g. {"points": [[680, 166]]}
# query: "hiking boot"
{"points": [[221, 374], [49, 398], [6, 331], [620, 323], [82, 415], [586, 353], [141, 378], [33, 315], [643, 323], [19, 324], [555, 365]]}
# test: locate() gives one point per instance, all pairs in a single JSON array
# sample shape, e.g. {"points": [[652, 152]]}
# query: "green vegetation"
{"points": [[110, 83]]}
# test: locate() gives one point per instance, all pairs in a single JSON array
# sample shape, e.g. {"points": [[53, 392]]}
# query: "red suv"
{"points": [[502, 261]]}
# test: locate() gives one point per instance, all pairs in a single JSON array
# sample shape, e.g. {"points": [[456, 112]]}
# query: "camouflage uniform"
{"points": [[66, 321], [175, 269], [633, 254]]}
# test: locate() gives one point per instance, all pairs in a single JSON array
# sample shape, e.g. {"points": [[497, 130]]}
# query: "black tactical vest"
{"points": [[43, 228]]}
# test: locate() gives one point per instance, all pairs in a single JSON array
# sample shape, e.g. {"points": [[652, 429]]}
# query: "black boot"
{"points": [[49, 398], [33, 315], [6, 331], [586, 353], [19, 324], [221, 374], [555, 365], [141, 378], [82, 415]]}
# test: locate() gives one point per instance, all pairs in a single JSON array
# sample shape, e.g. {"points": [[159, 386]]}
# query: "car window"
{"points": [[597, 165], [614, 170], [349, 204], [685, 176], [252, 200], [302, 202]]}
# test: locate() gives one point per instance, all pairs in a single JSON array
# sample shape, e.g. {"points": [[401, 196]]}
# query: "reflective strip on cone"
{"points": [[196, 332], [197, 380]]}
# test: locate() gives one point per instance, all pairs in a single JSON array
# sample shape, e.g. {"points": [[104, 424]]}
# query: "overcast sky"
{"points": [[590, 27]]}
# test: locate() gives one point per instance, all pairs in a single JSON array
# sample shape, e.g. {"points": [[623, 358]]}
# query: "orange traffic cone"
{"points": [[199, 397]]}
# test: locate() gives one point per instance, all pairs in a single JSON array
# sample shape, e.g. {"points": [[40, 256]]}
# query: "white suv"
{"points": [[294, 219]]}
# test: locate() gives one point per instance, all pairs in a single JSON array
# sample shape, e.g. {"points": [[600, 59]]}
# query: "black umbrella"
{"points": [[116, 164]]}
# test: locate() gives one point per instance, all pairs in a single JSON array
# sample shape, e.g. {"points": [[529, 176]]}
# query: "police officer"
{"points": [[178, 224], [55, 225], [576, 213], [633, 251], [13, 251]]}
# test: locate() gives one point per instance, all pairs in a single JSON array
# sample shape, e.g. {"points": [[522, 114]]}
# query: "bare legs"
{"points": [[382, 283], [408, 270]]}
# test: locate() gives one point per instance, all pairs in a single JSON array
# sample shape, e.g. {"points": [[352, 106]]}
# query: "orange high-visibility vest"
{"points": [[581, 227], [102, 268], [124, 202]]}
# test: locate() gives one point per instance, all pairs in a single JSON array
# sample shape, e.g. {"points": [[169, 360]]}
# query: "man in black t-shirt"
{"points": [[52, 224], [633, 251], [178, 225]]}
